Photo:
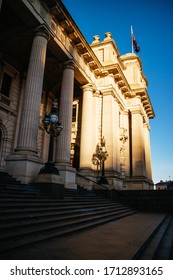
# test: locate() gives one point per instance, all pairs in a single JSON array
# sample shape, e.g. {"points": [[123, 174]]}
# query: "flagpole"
{"points": [[132, 38]]}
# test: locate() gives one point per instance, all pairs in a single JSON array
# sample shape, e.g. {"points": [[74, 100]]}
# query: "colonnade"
{"points": [[25, 159]]}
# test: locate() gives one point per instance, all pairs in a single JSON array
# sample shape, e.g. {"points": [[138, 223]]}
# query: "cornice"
{"points": [[88, 87], [145, 100], [119, 78]]}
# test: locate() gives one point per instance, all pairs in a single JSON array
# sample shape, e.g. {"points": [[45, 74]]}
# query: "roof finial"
{"points": [[96, 39], [108, 36]]}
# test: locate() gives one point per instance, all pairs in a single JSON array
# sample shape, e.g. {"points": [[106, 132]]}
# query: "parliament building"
{"points": [[101, 96]]}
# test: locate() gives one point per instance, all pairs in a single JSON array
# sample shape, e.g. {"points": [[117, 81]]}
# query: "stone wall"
{"points": [[152, 200]]}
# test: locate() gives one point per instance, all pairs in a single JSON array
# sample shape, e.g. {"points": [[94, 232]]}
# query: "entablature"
{"points": [[63, 18]]}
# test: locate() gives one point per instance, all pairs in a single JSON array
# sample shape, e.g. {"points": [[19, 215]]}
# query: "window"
{"points": [[6, 84], [74, 115]]}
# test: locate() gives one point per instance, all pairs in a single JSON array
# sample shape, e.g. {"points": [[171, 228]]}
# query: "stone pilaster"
{"points": [[111, 135], [27, 141], [138, 155], [147, 152], [86, 145]]}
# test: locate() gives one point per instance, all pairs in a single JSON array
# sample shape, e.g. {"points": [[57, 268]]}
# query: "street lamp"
{"points": [[54, 128], [99, 159]]}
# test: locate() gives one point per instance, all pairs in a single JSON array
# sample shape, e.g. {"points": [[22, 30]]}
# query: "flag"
{"points": [[135, 45]]}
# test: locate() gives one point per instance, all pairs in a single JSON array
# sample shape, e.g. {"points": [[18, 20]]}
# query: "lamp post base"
{"points": [[49, 168], [102, 180]]}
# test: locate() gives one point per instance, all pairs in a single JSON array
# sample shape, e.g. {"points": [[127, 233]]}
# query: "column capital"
{"points": [[87, 87], [69, 64], [136, 111], [42, 31], [125, 112]]}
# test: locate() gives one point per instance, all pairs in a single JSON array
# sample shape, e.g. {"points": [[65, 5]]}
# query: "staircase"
{"points": [[7, 180], [28, 217]]}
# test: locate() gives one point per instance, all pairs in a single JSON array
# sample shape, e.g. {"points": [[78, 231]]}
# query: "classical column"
{"points": [[138, 154], [86, 144], [65, 115], [27, 141]]}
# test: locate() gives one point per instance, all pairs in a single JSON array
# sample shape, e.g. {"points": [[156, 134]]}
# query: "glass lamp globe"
{"points": [[59, 128], [53, 118], [46, 120]]}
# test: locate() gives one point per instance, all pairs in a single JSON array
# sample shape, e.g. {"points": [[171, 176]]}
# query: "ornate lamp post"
{"points": [[54, 128], [99, 159]]}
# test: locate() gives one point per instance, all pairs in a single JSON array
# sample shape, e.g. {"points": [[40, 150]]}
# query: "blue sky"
{"points": [[152, 25]]}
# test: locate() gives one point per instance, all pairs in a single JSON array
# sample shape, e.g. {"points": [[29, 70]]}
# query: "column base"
{"points": [[68, 175], [102, 181], [50, 184], [139, 183], [24, 167], [49, 168]]}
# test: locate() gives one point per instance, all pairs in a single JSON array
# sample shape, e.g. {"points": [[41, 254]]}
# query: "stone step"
{"points": [[79, 191], [10, 215], [158, 242], [26, 194], [45, 231], [9, 181], [49, 207], [20, 196], [64, 216], [11, 203], [16, 189], [164, 250]]}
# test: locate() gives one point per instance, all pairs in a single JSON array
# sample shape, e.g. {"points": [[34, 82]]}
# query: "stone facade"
{"points": [[43, 55]]}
